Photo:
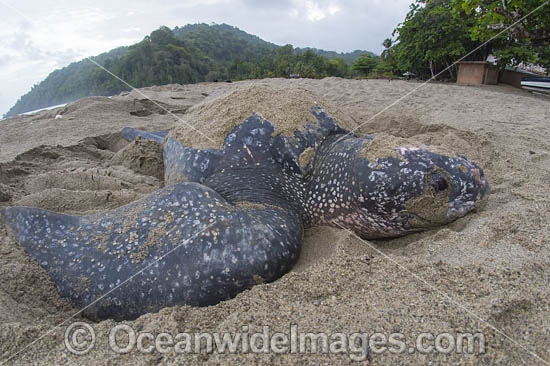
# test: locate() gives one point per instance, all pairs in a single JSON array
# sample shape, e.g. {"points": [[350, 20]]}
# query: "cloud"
{"points": [[267, 4], [36, 39], [5, 60], [196, 3], [314, 11]]}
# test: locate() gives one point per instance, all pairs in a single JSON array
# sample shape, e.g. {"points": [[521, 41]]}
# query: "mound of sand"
{"points": [[487, 270], [207, 123]]}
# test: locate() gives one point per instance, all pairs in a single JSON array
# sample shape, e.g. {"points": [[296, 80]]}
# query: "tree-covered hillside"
{"points": [[189, 54], [224, 42], [349, 57]]}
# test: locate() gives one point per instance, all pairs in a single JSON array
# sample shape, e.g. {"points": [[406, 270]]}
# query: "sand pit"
{"points": [[487, 270]]}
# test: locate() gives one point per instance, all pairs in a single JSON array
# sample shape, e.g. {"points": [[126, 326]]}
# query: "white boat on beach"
{"points": [[536, 83]]}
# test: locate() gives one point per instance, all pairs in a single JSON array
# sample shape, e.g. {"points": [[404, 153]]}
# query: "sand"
{"points": [[487, 272]]}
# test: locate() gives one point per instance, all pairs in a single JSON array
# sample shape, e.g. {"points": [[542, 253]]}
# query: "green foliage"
{"points": [[543, 58], [527, 41], [349, 57], [189, 54], [432, 36], [365, 64], [224, 43], [160, 58], [338, 67], [383, 68], [388, 61]]}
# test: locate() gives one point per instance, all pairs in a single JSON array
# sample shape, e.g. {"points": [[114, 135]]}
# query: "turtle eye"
{"points": [[439, 183]]}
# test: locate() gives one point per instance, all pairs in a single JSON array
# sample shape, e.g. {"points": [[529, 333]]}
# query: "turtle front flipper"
{"points": [[183, 244], [186, 164]]}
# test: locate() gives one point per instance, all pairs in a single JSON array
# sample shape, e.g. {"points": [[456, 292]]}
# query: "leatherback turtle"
{"points": [[233, 217]]}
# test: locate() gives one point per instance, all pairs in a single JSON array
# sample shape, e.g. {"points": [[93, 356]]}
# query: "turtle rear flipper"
{"points": [[182, 245]]}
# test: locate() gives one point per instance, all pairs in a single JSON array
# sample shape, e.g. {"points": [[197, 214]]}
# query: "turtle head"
{"points": [[414, 189], [450, 187]]}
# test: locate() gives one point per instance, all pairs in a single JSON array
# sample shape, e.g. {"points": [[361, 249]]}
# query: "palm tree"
{"points": [[387, 54]]}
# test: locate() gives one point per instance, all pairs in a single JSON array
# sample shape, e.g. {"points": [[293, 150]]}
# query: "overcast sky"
{"points": [[37, 37]]}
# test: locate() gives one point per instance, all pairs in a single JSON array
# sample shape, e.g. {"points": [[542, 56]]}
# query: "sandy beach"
{"points": [[486, 273]]}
